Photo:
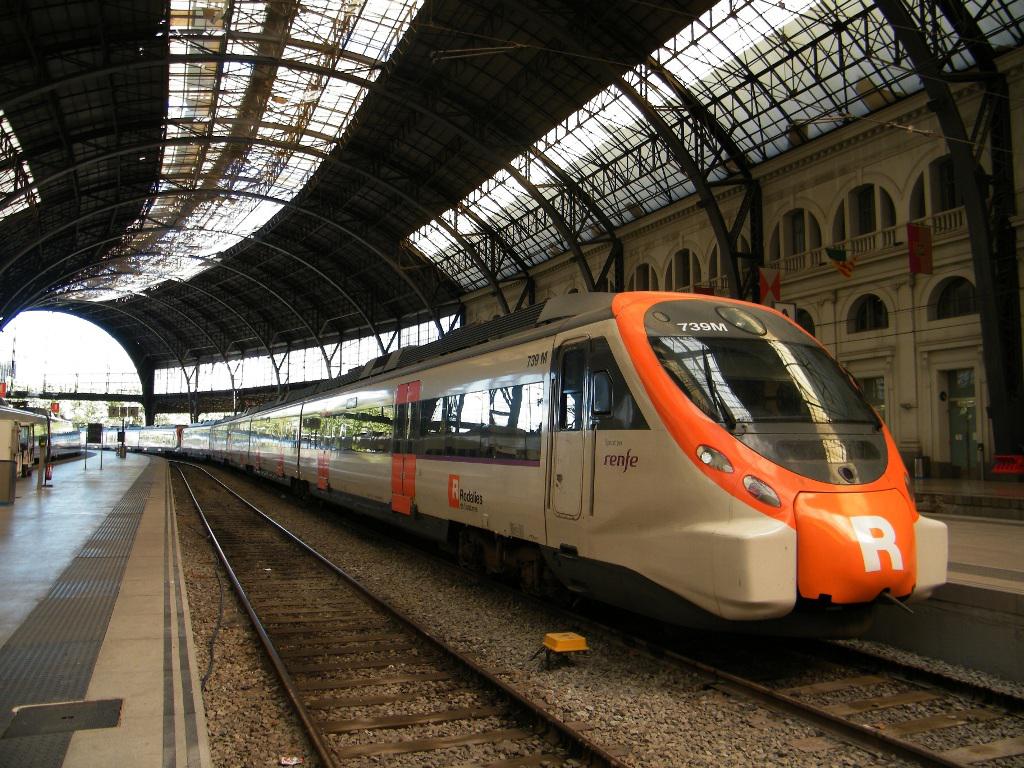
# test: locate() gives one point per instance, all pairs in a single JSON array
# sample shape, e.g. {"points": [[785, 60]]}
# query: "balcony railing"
{"points": [[942, 224]]}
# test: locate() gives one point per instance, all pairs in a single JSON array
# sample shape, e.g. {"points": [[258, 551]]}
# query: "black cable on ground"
{"points": [[216, 627]]}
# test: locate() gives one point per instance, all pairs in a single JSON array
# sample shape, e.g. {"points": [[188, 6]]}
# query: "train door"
{"points": [[570, 435], [403, 455]]}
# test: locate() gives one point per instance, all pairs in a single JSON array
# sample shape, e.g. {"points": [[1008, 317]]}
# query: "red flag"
{"points": [[3, 389], [919, 241], [771, 285]]}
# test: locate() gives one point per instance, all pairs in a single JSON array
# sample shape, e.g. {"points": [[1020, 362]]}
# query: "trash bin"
{"points": [[922, 467]]}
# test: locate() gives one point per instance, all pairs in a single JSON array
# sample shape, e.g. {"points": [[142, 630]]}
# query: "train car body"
{"points": [[696, 459], [163, 439], [195, 441], [19, 432], [65, 438]]}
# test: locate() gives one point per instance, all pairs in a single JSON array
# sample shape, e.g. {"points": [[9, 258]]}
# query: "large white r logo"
{"points": [[866, 526]]}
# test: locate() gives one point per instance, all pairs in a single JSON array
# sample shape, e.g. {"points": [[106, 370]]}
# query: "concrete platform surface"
{"points": [[997, 500], [99, 616]]}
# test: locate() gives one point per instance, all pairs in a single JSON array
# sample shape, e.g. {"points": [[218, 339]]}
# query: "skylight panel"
{"points": [[246, 181], [16, 180]]}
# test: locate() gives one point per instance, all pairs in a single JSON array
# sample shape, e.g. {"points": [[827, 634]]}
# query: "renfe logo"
{"points": [[453, 491], [865, 527], [625, 460]]}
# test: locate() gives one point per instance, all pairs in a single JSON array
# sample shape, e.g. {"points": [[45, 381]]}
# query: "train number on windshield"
{"points": [[697, 327]]}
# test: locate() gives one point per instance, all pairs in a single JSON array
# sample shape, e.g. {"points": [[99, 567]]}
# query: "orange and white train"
{"points": [[697, 459]]}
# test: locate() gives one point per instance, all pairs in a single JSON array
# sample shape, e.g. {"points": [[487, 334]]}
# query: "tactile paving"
{"points": [[50, 657]]}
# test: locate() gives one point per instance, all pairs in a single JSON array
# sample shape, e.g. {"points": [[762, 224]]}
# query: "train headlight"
{"points": [[761, 491], [713, 458]]}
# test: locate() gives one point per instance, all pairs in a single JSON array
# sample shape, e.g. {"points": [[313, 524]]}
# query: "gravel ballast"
{"points": [[647, 710]]}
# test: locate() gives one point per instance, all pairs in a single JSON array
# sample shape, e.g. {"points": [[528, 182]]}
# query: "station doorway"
{"points": [[963, 422]]}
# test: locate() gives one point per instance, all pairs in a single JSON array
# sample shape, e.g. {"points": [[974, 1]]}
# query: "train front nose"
{"points": [[852, 546]]}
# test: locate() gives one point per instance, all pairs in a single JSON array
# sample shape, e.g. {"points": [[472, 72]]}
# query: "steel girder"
{"points": [[240, 193], [1001, 346], [694, 113], [564, 229], [287, 253]]}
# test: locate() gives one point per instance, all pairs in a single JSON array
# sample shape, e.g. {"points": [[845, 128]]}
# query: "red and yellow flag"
{"points": [[841, 261]]}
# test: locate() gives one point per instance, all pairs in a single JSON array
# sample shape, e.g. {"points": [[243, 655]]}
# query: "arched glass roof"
{"points": [[276, 123], [771, 75]]}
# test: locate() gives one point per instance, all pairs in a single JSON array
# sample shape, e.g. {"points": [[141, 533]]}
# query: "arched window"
{"points": [[956, 298], [945, 192], [862, 210], [695, 274], [643, 279], [868, 313], [918, 208], [805, 321], [798, 232], [867, 209], [679, 275]]}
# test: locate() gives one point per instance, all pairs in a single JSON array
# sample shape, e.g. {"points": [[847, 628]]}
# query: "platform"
{"points": [[977, 617], [94, 621], [993, 499]]}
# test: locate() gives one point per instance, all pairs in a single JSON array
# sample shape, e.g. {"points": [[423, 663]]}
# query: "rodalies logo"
{"points": [[462, 499]]}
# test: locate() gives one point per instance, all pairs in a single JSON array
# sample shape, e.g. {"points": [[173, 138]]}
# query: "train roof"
{"points": [[591, 306], [7, 413]]}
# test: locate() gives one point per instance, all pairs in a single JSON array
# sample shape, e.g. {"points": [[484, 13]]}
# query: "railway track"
{"points": [[365, 681], [923, 717]]}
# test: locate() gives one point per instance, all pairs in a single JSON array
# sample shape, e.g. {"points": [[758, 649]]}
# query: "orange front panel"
{"points": [[852, 546]]}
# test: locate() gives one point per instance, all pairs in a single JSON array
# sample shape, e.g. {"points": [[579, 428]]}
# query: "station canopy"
{"points": [[216, 178]]}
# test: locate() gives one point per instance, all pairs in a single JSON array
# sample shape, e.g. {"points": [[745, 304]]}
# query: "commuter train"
{"points": [[700, 460]]}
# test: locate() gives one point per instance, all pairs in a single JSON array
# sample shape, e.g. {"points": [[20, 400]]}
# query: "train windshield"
{"points": [[761, 380]]}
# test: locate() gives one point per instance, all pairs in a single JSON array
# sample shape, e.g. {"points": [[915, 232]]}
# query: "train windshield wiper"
{"points": [[727, 418]]}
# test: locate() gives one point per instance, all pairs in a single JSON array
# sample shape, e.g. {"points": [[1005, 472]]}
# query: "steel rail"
{"points": [[570, 738], [322, 748]]}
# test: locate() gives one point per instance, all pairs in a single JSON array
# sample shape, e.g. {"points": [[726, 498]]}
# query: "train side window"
{"points": [[532, 417], [570, 401], [621, 411], [401, 427], [602, 405]]}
